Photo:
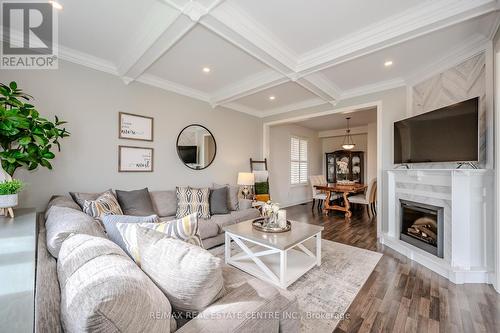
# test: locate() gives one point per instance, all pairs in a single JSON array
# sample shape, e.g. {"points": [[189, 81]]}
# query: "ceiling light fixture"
{"points": [[272, 98], [206, 70], [348, 143], [388, 63], [56, 5]]}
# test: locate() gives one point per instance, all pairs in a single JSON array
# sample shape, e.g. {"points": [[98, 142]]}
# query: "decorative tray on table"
{"points": [[258, 224]]}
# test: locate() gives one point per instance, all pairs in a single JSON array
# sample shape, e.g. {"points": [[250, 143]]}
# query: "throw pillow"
{"points": [[232, 195], [185, 229], [218, 201], [188, 275], [136, 203], [80, 197], [61, 222], [110, 222], [193, 200], [105, 204], [102, 290]]}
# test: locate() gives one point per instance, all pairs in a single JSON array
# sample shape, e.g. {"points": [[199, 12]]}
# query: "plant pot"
{"points": [[8, 201]]}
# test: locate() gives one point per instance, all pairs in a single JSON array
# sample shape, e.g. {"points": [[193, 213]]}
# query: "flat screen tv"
{"points": [[188, 154], [449, 134]]}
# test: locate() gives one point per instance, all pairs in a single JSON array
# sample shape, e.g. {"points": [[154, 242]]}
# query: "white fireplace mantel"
{"points": [[467, 198]]}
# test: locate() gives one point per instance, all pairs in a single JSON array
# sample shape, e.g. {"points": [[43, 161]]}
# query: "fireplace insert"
{"points": [[422, 226]]}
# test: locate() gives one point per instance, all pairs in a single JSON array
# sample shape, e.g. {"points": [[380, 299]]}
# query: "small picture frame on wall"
{"points": [[135, 159], [135, 127]]}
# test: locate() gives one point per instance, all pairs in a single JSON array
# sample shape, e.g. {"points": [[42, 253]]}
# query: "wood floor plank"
{"points": [[401, 295]]}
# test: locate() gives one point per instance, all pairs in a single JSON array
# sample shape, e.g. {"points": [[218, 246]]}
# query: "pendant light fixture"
{"points": [[348, 143]]}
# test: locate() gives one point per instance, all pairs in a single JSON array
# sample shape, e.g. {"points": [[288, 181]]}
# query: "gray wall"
{"points": [[90, 101], [279, 164]]}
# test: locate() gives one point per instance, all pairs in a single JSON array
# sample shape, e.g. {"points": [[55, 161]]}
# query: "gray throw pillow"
{"points": [[135, 203], [188, 275], [110, 222], [218, 201], [232, 195], [102, 290], [61, 222]]}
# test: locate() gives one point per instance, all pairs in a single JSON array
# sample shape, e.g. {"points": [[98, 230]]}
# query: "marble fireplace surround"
{"points": [[467, 199]]}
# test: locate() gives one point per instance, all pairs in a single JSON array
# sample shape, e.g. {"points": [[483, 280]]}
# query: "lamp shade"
{"points": [[246, 178]]}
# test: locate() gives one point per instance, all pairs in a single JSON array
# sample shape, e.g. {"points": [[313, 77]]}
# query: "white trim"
{"points": [[172, 86], [243, 109], [373, 88], [414, 22], [308, 103], [468, 49], [496, 281]]}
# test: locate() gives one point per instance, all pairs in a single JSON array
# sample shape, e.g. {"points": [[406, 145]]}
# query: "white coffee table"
{"points": [[278, 258]]}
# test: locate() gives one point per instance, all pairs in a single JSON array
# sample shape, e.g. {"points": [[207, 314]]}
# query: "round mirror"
{"points": [[196, 147]]}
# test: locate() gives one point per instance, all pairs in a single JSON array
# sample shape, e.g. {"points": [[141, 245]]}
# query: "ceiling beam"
{"points": [[160, 34]]}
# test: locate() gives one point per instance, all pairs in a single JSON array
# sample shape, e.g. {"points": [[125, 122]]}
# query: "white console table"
{"points": [[467, 198], [17, 271]]}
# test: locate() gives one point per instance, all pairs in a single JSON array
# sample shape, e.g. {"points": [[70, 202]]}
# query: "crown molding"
{"points": [[172, 86], [425, 18], [468, 49], [244, 109], [248, 86], [309, 103], [373, 88], [321, 86]]}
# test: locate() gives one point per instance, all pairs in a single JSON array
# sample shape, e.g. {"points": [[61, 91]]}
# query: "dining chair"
{"points": [[369, 198], [317, 195]]}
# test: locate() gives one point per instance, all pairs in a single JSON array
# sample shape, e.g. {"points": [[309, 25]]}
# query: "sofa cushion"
{"points": [[80, 197], [207, 228], [218, 201], [222, 220], [164, 202], [185, 229], [112, 232], [63, 221], [61, 201], [188, 275], [102, 290], [193, 200], [105, 204], [136, 203], [245, 214], [232, 195]]}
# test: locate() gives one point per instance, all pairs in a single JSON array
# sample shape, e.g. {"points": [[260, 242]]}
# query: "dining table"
{"points": [[345, 191]]}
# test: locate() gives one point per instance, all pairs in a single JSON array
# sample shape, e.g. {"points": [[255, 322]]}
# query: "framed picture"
{"points": [[135, 127], [135, 159]]}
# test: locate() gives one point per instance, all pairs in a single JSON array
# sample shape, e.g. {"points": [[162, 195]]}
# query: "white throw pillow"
{"points": [[190, 277]]}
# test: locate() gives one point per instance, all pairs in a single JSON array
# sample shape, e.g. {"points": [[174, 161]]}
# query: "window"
{"points": [[298, 161]]}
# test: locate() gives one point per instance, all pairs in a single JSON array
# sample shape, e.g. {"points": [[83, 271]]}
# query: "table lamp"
{"points": [[246, 179]]}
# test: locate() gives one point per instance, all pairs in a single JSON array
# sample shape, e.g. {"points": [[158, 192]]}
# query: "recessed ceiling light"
{"points": [[56, 5], [388, 63], [272, 98], [206, 69]]}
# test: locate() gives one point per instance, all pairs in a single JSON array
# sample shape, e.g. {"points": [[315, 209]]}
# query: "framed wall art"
{"points": [[135, 159], [135, 127]]}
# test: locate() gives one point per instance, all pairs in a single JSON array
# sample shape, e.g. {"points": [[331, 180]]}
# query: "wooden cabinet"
{"points": [[345, 165]]}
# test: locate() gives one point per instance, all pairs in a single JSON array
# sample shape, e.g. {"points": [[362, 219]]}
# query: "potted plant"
{"points": [[8, 195], [27, 140]]}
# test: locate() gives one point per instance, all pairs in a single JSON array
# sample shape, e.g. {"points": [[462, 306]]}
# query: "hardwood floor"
{"points": [[401, 295]]}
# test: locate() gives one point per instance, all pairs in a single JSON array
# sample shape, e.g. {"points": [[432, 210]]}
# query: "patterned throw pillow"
{"points": [[185, 229], [193, 200], [105, 204]]}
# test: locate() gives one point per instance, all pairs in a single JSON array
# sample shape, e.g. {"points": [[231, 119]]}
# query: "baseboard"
{"points": [[296, 203]]}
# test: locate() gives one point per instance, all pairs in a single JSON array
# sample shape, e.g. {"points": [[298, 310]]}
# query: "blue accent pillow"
{"points": [[110, 222]]}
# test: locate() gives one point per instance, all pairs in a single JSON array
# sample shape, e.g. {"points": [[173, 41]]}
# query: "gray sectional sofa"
{"points": [[247, 303]]}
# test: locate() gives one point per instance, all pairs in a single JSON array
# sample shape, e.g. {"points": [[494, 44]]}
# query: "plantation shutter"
{"points": [[298, 161]]}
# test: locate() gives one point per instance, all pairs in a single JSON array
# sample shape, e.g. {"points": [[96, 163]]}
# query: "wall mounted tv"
{"points": [[188, 154], [449, 134]]}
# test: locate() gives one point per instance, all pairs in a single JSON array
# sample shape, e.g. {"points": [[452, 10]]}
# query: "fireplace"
{"points": [[422, 226]]}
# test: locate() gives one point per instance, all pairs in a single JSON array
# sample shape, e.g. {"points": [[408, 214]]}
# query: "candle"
{"points": [[282, 218]]}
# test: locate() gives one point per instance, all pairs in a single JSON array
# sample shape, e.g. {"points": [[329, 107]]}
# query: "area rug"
{"points": [[326, 292]]}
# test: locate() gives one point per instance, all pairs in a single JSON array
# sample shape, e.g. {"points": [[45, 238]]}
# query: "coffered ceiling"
{"points": [[265, 57]]}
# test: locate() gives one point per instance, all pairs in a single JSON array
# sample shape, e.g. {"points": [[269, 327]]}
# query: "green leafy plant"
{"points": [[9, 187], [27, 140]]}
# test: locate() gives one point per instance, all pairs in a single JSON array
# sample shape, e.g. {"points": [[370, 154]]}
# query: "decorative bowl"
{"points": [[258, 224]]}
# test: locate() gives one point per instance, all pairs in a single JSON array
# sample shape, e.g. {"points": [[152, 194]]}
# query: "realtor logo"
{"points": [[29, 35]]}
